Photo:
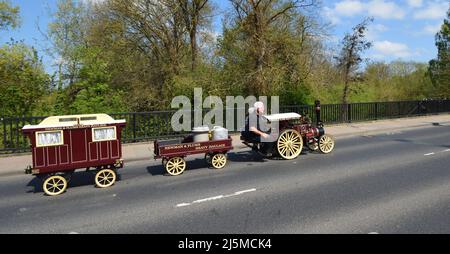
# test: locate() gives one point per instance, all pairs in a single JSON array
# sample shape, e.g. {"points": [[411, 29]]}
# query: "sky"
{"points": [[402, 29]]}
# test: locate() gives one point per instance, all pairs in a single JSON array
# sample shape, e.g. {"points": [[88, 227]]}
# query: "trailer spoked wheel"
{"points": [[105, 178], [219, 160], [54, 185], [289, 144], [326, 144], [175, 166]]}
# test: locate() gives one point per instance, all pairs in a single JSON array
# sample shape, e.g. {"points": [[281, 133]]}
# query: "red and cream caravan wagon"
{"points": [[62, 144]]}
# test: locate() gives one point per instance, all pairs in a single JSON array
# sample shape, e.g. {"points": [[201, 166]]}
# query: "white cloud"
{"points": [[331, 15], [379, 28], [377, 8], [432, 29], [392, 49], [349, 8], [415, 3], [377, 56], [385, 10], [434, 10], [375, 30]]}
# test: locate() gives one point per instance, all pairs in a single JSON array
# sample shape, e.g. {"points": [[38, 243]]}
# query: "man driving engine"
{"points": [[257, 129]]}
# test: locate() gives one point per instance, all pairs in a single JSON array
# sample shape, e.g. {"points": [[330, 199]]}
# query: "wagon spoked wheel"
{"points": [[175, 166], [326, 144], [289, 144], [219, 160], [105, 178], [54, 185]]}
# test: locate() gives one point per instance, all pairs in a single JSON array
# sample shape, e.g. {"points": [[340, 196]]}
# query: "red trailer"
{"points": [[173, 152], [62, 144]]}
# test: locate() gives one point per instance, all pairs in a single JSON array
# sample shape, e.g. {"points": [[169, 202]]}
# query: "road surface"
{"points": [[386, 183]]}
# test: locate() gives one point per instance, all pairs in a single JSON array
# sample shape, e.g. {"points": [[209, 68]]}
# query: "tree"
{"points": [[195, 14], [257, 21], [67, 34], [157, 28], [23, 80], [393, 81], [9, 16], [350, 57], [95, 94], [440, 68]]}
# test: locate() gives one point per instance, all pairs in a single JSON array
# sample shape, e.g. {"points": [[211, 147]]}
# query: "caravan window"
{"points": [[103, 134], [49, 138]]}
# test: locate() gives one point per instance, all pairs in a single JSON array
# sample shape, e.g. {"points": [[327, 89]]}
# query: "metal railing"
{"points": [[144, 126]]}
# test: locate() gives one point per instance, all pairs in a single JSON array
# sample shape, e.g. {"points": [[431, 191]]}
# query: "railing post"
{"points": [[376, 110], [134, 127], [419, 108], [349, 112], [4, 132], [18, 145]]}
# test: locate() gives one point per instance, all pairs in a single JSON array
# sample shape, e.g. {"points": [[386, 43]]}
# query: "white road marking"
{"points": [[244, 191], [448, 150], [183, 204], [216, 198], [73, 233], [428, 154], [374, 233], [208, 199]]}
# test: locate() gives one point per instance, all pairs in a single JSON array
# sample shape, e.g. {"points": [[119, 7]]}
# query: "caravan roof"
{"points": [[72, 120]]}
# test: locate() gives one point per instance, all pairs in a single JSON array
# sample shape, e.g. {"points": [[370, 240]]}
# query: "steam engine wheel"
{"points": [[289, 144], [326, 144]]}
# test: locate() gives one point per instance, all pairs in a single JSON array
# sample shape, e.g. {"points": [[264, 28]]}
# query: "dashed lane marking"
{"points": [[244, 191], [445, 151], [208, 199], [183, 204], [216, 198]]}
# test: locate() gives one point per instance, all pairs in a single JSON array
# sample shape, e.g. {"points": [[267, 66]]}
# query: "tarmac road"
{"points": [[386, 183]]}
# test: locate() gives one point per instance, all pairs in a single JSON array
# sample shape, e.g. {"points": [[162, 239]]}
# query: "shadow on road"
{"points": [[77, 179], [248, 157], [191, 164]]}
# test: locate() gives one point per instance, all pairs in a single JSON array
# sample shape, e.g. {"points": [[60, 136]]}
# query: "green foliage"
{"points": [[9, 15], [440, 67], [67, 33], [392, 82], [91, 92], [269, 50], [116, 56], [23, 80], [296, 95]]}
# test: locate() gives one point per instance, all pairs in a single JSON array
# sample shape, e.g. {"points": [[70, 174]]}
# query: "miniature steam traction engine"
{"points": [[292, 133], [62, 144]]}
